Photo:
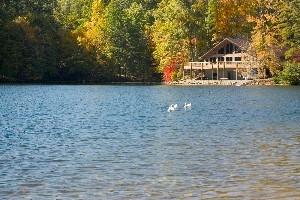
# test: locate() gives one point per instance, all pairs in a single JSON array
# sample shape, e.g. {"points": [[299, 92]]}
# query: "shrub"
{"points": [[180, 73], [290, 74]]}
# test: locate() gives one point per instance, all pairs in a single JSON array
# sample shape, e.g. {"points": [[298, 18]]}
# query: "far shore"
{"points": [[179, 82]]}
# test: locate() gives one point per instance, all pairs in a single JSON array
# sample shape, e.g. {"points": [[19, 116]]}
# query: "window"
{"points": [[212, 59], [215, 75], [220, 59], [228, 59], [221, 51], [229, 48], [238, 59]]}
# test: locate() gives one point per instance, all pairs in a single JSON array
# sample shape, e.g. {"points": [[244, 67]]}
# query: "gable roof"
{"points": [[241, 43]]}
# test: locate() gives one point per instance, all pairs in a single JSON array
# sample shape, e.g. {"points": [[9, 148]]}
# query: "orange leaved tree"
{"points": [[170, 71]]}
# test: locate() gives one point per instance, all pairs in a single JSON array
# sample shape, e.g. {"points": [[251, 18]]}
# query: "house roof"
{"points": [[241, 43]]}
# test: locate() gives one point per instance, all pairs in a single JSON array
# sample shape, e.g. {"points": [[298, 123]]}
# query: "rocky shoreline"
{"points": [[224, 82]]}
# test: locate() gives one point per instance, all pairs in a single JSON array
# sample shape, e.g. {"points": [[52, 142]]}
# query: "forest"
{"points": [[99, 41]]}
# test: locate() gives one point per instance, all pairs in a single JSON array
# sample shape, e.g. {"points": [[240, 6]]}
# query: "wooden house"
{"points": [[227, 60]]}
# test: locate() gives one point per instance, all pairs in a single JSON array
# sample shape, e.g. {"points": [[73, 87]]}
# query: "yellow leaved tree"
{"points": [[265, 38]]}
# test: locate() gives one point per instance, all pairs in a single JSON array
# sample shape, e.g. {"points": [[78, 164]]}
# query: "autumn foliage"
{"points": [[169, 71], [102, 41]]}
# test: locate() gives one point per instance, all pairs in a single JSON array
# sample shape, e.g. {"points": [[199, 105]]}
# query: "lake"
{"points": [[119, 142]]}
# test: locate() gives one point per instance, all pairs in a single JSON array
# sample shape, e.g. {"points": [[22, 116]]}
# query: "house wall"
{"points": [[230, 70], [216, 74]]}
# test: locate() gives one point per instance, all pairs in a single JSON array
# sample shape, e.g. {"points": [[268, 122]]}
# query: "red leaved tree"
{"points": [[169, 71]]}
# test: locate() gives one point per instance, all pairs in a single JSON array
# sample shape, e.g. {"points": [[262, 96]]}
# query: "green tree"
{"points": [[196, 25], [73, 14], [34, 47], [170, 33], [127, 40], [289, 24], [91, 37], [78, 53], [289, 75], [25, 41]]}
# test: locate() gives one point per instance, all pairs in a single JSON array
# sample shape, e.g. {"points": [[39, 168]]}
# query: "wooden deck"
{"points": [[219, 70], [225, 64], [224, 82]]}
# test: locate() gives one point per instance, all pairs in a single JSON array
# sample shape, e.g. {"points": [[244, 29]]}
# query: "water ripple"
{"points": [[119, 142]]}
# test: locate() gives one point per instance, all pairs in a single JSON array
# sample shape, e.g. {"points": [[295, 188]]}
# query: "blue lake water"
{"points": [[119, 142]]}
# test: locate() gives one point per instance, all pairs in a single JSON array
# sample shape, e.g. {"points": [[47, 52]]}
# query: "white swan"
{"points": [[187, 105], [171, 108]]}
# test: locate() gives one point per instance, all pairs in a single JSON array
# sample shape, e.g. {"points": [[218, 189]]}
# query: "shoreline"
{"points": [[224, 82], [186, 82]]}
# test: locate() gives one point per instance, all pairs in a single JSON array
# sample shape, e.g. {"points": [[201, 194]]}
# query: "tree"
{"points": [[265, 37], [289, 75], [26, 41], [34, 47], [170, 33], [226, 18], [170, 72], [126, 40], [91, 37], [196, 25], [73, 14], [289, 24]]}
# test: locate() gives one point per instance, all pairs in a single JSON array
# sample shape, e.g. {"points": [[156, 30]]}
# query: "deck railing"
{"points": [[219, 70], [221, 64]]}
